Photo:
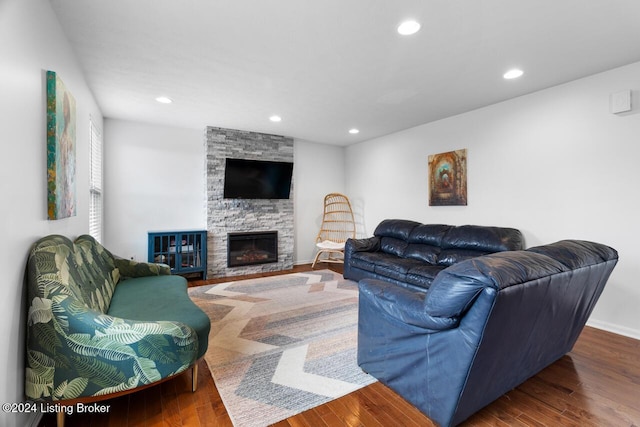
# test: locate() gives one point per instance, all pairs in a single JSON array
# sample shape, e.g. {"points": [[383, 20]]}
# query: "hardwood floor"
{"points": [[596, 384]]}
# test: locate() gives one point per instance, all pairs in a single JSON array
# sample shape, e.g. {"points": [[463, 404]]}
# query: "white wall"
{"points": [[319, 169], [154, 181], [31, 42], [554, 164]]}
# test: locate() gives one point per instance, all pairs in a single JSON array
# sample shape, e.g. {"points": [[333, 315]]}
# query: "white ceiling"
{"points": [[327, 66]]}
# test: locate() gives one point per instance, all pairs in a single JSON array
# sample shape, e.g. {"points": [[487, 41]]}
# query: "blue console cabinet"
{"points": [[184, 251]]}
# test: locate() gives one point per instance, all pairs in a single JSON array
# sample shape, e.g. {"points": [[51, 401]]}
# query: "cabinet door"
{"points": [[183, 251], [190, 251], [163, 249]]}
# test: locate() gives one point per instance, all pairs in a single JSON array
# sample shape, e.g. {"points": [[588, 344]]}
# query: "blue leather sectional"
{"points": [[481, 327]]}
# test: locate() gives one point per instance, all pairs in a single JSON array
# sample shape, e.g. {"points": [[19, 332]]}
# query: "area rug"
{"points": [[283, 344]]}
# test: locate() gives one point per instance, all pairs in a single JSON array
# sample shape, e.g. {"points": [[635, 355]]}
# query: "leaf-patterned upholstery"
{"points": [[75, 349]]}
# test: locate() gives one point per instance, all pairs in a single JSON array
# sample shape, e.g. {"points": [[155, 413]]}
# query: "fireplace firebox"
{"points": [[252, 248]]}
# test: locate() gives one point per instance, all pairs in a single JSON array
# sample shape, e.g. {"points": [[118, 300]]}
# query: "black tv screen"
{"points": [[257, 179]]}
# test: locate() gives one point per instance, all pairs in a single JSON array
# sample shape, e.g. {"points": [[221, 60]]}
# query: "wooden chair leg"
{"points": [[60, 418], [194, 377], [315, 260]]}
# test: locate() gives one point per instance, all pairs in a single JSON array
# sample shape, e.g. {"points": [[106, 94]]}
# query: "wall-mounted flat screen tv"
{"points": [[257, 179]]}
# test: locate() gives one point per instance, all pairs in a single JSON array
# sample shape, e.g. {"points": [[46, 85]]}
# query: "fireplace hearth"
{"points": [[252, 248]]}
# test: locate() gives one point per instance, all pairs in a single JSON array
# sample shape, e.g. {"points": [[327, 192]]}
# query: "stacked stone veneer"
{"points": [[240, 215]]}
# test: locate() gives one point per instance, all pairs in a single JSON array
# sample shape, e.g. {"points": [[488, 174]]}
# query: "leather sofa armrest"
{"points": [[402, 305], [352, 246], [371, 244]]}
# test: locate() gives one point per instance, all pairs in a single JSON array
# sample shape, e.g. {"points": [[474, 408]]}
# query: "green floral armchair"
{"points": [[90, 331]]}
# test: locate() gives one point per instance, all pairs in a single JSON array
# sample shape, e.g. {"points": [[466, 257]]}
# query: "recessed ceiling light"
{"points": [[408, 27], [513, 74], [164, 100], [354, 131], [275, 118]]}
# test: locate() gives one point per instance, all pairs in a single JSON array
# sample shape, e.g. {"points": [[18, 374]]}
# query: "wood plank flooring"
{"points": [[596, 384]]}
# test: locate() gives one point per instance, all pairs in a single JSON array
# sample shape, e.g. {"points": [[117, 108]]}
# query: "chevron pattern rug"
{"points": [[281, 345]]}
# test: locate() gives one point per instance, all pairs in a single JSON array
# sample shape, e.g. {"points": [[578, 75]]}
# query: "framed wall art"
{"points": [[448, 178], [61, 149]]}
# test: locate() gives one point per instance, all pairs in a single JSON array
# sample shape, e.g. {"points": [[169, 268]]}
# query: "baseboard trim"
{"points": [[616, 329]]}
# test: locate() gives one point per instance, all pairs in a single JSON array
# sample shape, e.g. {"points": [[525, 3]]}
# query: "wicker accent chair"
{"points": [[338, 225]]}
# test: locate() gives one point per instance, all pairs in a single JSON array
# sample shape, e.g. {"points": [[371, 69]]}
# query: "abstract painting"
{"points": [[448, 178], [61, 149]]}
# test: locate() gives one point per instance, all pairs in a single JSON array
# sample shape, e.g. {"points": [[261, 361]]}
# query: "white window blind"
{"points": [[95, 185]]}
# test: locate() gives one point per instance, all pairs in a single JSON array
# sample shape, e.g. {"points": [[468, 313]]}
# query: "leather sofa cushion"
{"points": [[396, 268], [484, 239], [452, 256], [397, 228], [393, 246], [423, 275], [429, 234], [422, 252], [470, 241], [367, 260]]}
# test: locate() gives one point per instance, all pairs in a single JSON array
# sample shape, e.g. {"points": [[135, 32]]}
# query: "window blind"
{"points": [[95, 185]]}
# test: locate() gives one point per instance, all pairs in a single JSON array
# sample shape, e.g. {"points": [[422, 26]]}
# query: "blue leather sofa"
{"points": [[484, 326], [411, 254]]}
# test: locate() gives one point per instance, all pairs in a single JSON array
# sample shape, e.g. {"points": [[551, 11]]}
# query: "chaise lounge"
{"points": [[101, 326]]}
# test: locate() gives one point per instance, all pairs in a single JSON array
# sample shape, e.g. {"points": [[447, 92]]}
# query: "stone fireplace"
{"points": [[236, 217]]}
